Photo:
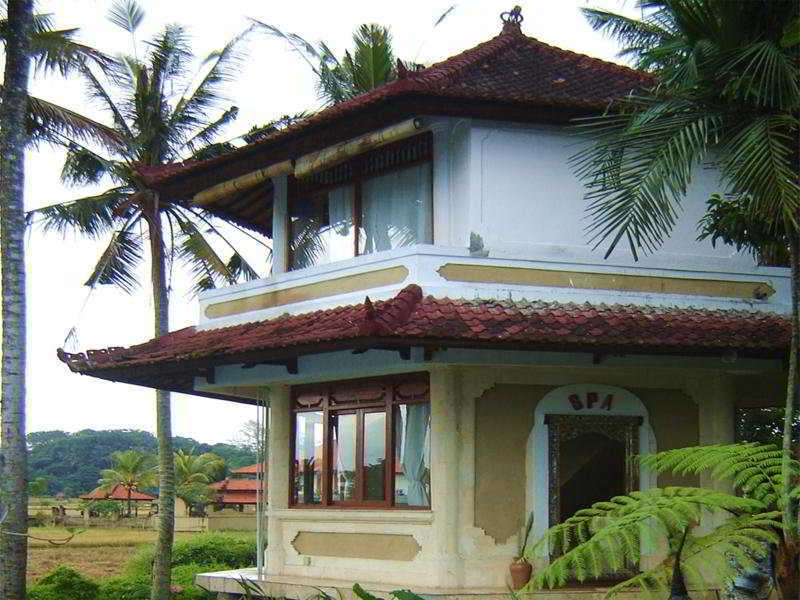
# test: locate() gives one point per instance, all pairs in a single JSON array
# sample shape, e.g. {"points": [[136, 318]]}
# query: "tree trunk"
{"points": [[166, 462], [787, 568], [129, 503], [13, 450]]}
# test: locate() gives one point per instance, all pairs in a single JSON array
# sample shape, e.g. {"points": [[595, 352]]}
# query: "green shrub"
{"points": [[183, 575], [124, 588], [63, 583], [225, 551], [41, 592]]}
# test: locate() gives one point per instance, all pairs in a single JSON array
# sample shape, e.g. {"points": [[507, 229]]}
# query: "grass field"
{"points": [[97, 553]]}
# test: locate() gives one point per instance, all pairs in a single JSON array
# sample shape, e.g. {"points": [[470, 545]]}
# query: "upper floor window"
{"points": [[362, 443], [376, 201]]}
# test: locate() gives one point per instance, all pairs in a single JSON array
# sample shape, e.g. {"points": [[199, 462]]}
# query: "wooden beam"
{"points": [[327, 157], [241, 183]]}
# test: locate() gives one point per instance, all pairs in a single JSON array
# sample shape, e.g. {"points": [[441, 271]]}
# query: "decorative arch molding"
{"points": [[585, 405]]}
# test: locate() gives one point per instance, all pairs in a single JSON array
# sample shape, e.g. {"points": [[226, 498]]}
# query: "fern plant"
{"points": [[609, 536]]}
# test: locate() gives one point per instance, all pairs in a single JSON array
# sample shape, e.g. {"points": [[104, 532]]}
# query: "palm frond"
{"points": [[372, 60], [444, 15], [190, 113], [92, 216], [56, 50], [126, 14], [637, 37], [83, 167], [638, 169], [52, 122], [118, 263], [98, 93], [204, 263], [207, 134], [760, 159], [296, 42]]}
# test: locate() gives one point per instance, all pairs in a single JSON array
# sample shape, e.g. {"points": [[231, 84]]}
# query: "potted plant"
{"points": [[520, 568]]}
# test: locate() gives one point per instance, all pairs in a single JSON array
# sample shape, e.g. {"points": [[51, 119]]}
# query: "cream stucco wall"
{"points": [[481, 473]]}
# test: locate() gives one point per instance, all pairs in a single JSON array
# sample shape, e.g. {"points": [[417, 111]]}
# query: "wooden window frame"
{"points": [[323, 399], [357, 170]]}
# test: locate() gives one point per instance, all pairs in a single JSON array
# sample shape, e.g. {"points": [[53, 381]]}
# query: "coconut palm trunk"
{"points": [[166, 464], [13, 452], [788, 557]]}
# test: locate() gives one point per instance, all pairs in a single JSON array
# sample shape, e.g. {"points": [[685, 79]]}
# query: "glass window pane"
{"points": [[412, 480], [396, 210], [307, 470], [321, 228], [343, 458], [374, 456]]}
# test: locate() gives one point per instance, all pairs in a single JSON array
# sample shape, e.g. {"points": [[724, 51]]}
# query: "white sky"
{"points": [[272, 83]]}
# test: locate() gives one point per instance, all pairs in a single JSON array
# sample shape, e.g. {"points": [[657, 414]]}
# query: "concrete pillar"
{"points": [[716, 406], [444, 478], [278, 475], [280, 234]]}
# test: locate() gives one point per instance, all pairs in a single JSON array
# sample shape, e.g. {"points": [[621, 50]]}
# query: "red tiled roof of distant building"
{"points": [[119, 492], [510, 68], [256, 468], [237, 498], [237, 485], [410, 319]]}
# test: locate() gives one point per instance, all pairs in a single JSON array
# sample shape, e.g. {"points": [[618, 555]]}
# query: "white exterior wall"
{"points": [[526, 202]]}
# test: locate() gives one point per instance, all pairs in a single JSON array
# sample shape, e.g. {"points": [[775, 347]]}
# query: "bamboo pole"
{"points": [[243, 182], [334, 154]]}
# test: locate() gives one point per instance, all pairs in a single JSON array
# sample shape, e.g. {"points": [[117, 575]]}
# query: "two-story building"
{"points": [[441, 350]]}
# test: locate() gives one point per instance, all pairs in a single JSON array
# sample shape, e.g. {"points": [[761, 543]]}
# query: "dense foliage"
{"points": [[601, 540], [72, 462]]}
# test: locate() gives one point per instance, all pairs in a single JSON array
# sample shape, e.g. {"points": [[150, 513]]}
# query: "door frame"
{"points": [[582, 400]]}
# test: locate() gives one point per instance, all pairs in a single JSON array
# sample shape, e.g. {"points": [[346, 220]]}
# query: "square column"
{"points": [[277, 475], [445, 494], [280, 234]]}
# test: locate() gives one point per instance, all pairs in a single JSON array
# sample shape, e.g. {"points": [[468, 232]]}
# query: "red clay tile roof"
{"points": [[118, 493], [237, 491], [234, 498], [409, 319], [256, 468], [526, 78]]}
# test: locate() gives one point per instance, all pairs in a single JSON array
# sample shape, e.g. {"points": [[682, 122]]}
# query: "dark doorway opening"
{"points": [[592, 469]]}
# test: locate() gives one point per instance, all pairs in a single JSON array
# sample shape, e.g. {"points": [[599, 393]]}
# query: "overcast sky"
{"points": [[273, 82]]}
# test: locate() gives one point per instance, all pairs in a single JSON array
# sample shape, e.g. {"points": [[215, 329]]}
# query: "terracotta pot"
{"points": [[520, 573]]}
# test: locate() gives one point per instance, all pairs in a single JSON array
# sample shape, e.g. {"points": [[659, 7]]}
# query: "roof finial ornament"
{"points": [[512, 19]]}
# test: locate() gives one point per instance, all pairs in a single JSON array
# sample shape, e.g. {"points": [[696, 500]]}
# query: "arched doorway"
{"points": [[585, 438]]}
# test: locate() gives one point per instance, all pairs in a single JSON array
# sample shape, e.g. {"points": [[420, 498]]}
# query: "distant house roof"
{"points": [[119, 492], [411, 319], [256, 468], [237, 491], [509, 77]]}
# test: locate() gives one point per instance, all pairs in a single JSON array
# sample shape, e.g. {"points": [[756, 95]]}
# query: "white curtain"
{"points": [[339, 234], [417, 421], [396, 210]]}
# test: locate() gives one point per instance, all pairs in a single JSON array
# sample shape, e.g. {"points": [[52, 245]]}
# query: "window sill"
{"points": [[362, 515]]}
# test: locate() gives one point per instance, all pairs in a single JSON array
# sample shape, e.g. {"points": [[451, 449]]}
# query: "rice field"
{"points": [[95, 552]]}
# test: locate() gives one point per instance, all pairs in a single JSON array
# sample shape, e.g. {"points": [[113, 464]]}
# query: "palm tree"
{"points": [[13, 451], [132, 470], [369, 65], [728, 94], [193, 473], [157, 125]]}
